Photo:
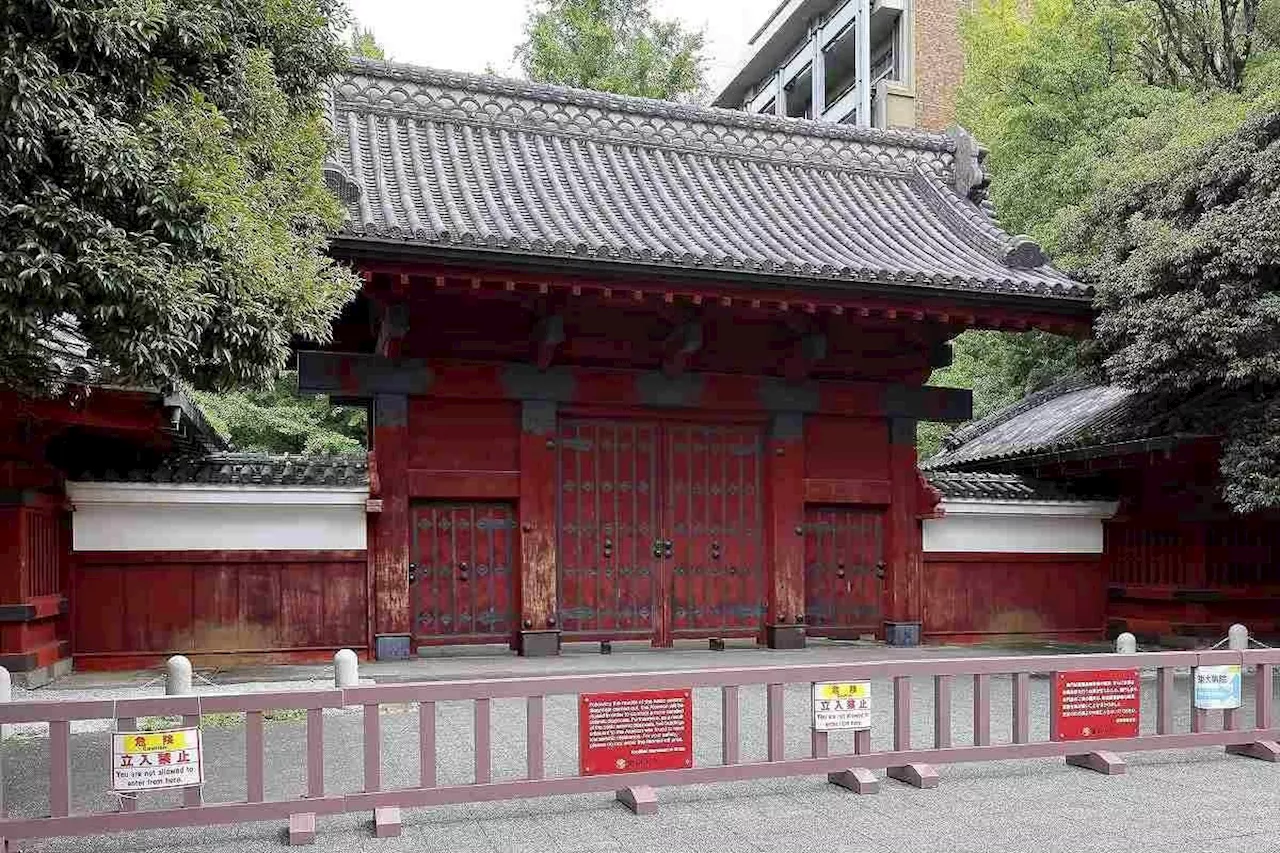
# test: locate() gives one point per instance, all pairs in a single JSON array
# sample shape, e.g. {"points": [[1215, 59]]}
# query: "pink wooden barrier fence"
{"points": [[905, 761]]}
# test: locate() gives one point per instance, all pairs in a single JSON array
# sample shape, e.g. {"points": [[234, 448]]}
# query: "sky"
{"points": [[468, 35]]}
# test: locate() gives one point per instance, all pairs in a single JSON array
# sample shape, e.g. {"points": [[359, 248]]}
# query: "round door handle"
{"points": [[839, 573], [462, 566]]}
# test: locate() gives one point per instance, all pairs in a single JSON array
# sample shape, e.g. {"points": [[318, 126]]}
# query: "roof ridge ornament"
{"points": [[968, 175]]}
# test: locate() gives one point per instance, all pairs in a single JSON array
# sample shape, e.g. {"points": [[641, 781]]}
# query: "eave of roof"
{"points": [[480, 166]]}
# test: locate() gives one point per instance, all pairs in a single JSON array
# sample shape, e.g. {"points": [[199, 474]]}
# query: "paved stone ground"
{"points": [[1194, 800]]}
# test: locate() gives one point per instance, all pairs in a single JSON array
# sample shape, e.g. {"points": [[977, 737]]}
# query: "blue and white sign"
{"points": [[1218, 688]]}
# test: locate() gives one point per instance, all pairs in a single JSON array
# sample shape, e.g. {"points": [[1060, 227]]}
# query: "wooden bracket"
{"points": [[1106, 763], [548, 335], [916, 775], [808, 351], [641, 799], [684, 341], [393, 326]]}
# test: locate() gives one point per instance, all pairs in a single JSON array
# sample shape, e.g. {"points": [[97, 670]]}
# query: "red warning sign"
{"points": [[635, 731], [1094, 704]]}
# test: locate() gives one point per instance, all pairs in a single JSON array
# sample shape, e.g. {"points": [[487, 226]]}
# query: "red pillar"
{"points": [[903, 545], [539, 628], [389, 550], [784, 531]]}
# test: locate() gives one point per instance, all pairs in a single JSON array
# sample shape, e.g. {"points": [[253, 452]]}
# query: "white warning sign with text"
{"points": [[153, 761], [841, 705]]}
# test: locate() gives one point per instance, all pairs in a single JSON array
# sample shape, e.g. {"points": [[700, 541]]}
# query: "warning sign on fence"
{"points": [[1102, 703], [1218, 688], [839, 705], [635, 731], [153, 761]]}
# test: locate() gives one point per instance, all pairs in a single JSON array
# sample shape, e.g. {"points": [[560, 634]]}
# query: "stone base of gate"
{"points": [[1263, 750], [386, 822], [302, 829], [902, 633], [1107, 763], [917, 775], [785, 636], [641, 799], [539, 644], [860, 780], [392, 646]]}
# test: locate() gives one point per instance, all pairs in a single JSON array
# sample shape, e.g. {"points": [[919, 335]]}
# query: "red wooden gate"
{"points": [[843, 571], [461, 577], [659, 530], [608, 511], [713, 514]]}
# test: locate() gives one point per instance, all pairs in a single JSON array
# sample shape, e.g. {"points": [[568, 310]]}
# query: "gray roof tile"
{"points": [[444, 160], [243, 469], [976, 485]]}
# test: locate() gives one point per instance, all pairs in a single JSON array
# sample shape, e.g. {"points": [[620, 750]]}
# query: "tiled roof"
{"points": [[977, 485], [244, 469], [477, 164], [1068, 414]]}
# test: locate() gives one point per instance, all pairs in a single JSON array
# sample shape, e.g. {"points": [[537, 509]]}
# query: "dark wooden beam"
{"points": [[683, 342], [362, 375]]}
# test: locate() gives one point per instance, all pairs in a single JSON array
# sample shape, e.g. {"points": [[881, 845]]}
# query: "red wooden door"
{"points": [[461, 587], [608, 511], [843, 571], [660, 530], [712, 514]]}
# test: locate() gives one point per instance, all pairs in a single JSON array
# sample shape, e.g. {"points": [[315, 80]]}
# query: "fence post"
{"points": [[1263, 750], [6, 695], [1104, 761], [177, 676], [346, 669]]}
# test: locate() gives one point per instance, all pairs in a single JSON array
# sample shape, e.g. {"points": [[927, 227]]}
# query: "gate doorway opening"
{"points": [[843, 571], [461, 579], [660, 530]]}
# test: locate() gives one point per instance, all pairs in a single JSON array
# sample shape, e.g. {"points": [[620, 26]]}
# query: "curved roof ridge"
{"points": [[496, 85]]}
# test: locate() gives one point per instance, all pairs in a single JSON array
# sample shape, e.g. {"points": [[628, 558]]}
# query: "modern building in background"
{"points": [[874, 63]]}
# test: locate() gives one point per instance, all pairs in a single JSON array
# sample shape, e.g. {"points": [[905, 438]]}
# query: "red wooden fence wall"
{"points": [[976, 597], [129, 607]]}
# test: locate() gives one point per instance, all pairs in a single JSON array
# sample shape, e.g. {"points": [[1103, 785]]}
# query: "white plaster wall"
{"points": [[1013, 528], [109, 517]]}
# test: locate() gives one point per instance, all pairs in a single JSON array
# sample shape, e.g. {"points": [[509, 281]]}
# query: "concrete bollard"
{"points": [[346, 669], [1126, 644], [1238, 638], [177, 676]]}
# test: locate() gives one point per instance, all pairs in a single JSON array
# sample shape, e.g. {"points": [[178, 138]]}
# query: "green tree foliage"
{"points": [[1188, 265], [161, 193], [1138, 141], [364, 44], [611, 46], [277, 420]]}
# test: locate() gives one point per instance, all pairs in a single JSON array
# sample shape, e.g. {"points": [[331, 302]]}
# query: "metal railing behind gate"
{"points": [[905, 760]]}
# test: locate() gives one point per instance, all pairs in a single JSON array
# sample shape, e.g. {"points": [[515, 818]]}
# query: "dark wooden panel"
{"points": [[461, 435], [218, 602], [976, 596], [846, 448], [844, 558], [865, 492], [713, 513], [607, 510], [464, 485], [463, 579]]}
